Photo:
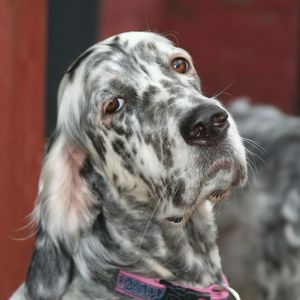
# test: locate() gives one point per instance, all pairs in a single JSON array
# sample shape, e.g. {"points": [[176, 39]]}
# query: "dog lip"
{"points": [[219, 195], [175, 219], [221, 164], [240, 179]]}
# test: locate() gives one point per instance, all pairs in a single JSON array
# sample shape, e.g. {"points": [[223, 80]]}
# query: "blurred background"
{"points": [[240, 48]]}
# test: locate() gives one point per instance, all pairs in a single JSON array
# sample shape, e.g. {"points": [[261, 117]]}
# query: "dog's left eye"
{"points": [[180, 65], [113, 105]]}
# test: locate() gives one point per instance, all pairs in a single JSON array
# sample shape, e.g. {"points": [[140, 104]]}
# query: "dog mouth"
{"points": [[219, 195], [215, 196], [223, 175]]}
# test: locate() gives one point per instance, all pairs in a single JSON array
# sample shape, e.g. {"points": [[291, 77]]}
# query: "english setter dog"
{"points": [[139, 156], [264, 220]]}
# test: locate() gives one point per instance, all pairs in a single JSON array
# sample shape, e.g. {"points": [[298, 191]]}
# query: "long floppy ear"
{"points": [[65, 202], [64, 209]]}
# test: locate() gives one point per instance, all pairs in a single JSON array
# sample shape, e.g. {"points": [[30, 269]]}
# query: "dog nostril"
{"points": [[197, 131], [219, 120]]}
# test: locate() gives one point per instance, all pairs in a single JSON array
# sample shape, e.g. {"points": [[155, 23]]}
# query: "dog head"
{"points": [[132, 107]]}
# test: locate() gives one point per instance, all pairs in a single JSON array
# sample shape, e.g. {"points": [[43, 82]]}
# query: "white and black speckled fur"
{"points": [[109, 182], [260, 228]]}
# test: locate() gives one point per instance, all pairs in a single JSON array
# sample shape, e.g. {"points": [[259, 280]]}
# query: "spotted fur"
{"points": [[265, 221], [109, 182]]}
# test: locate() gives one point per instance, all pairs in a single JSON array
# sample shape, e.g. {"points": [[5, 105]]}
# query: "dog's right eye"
{"points": [[113, 105]]}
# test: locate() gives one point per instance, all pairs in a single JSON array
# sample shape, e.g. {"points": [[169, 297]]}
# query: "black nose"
{"points": [[205, 125]]}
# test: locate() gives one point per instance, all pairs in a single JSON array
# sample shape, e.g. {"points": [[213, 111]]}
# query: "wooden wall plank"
{"points": [[22, 61]]}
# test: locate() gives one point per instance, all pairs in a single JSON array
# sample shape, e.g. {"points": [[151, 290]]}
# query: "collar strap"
{"points": [[143, 288]]}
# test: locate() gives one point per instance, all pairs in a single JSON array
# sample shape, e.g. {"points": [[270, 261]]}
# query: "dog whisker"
{"points": [[150, 218], [255, 144], [256, 155], [173, 34], [216, 95]]}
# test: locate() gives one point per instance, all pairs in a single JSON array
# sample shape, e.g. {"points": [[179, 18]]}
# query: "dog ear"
{"points": [[64, 207], [50, 270]]}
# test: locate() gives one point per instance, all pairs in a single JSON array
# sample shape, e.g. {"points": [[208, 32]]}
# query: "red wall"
{"points": [[251, 44], [22, 61]]}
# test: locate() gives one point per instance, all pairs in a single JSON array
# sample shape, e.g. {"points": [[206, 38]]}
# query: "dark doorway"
{"points": [[72, 27]]}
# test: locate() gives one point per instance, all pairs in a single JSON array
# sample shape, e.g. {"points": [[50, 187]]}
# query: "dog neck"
{"points": [[182, 251], [121, 239]]}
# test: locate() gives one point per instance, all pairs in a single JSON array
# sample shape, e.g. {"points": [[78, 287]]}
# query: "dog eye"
{"points": [[113, 105], [180, 65]]}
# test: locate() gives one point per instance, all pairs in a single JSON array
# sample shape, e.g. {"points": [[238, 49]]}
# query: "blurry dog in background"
{"points": [[260, 227]]}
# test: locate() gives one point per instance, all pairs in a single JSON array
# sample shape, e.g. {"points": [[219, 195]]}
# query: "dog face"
{"points": [[137, 99]]}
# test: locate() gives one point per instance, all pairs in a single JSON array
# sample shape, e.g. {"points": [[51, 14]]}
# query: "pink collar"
{"points": [[143, 288]]}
